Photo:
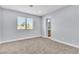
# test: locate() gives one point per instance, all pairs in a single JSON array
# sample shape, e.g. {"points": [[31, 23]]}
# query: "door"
{"points": [[48, 22]]}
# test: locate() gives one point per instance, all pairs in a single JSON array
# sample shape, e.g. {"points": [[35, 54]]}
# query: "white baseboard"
{"points": [[76, 46], [43, 37], [18, 39], [69, 44]]}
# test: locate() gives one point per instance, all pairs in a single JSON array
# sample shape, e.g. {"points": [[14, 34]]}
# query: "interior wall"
{"points": [[1, 24], [65, 24], [10, 31]]}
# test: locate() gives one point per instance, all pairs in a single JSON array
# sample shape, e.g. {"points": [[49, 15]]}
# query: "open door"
{"points": [[49, 27]]}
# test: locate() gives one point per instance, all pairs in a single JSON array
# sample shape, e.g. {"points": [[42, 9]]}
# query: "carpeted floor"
{"points": [[37, 46]]}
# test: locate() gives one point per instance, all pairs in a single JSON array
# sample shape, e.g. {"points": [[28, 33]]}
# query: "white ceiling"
{"points": [[38, 10]]}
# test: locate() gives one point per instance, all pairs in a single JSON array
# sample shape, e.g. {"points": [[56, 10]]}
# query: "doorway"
{"points": [[48, 21]]}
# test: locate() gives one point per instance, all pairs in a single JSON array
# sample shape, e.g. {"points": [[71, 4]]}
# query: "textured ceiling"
{"points": [[38, 10]]}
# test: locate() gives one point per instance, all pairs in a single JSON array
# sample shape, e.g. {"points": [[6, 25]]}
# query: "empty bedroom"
{"points": [[39, 29]]}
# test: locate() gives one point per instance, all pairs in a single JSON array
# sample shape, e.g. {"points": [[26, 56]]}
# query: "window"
{"points": [[24, 23], [21, 23], [29, 23]]}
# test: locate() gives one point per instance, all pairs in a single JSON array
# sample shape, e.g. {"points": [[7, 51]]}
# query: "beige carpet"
{"points": [[37, 46]]}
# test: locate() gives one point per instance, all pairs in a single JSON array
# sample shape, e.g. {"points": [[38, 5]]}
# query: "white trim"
{"points": [[66, 43], [19, 39], [43, 37]]}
